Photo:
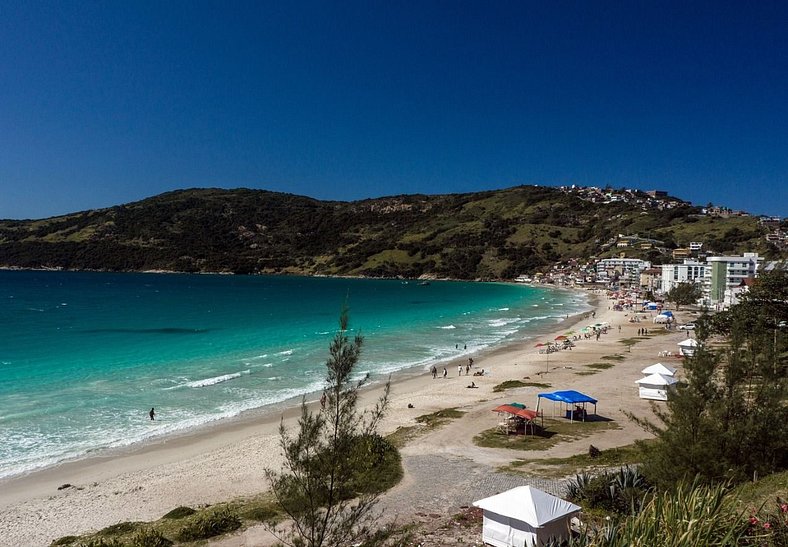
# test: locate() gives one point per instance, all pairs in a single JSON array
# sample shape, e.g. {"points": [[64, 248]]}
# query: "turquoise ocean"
{"points": [[84, 355]]}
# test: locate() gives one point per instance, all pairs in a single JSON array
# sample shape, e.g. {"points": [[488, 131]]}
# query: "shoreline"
{"points": [[13, 486], [226, 460], [262, 413]]}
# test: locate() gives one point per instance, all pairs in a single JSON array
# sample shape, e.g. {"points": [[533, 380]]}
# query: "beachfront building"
{"points": [[651, 279], [724, 273], [690, 271], [625, 270]]}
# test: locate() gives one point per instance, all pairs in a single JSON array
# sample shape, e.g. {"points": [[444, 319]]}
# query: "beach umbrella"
{"points": [[518, 405], [547, 355], [562, 337]]}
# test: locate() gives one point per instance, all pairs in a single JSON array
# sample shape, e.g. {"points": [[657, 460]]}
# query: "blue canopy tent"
{"points": [[569, 397]]}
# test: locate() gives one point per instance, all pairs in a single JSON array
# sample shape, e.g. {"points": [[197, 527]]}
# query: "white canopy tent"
{"points": [[687, 347], [656, 387], [525, 517], [659, 368]]}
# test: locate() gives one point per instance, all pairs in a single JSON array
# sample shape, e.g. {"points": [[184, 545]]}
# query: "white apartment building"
{"points": [[626, 269], [691, 271], [726, 272]]}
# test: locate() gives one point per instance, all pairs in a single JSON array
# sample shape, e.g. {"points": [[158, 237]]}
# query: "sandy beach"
{"points": [[226, 461]]}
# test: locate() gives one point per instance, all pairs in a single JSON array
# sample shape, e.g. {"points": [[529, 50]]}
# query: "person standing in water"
{"points": [[152, 413]]}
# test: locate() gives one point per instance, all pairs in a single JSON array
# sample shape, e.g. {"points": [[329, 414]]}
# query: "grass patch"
{"points": [[179, 513], [616, 357], [437, 419], [561, 467], [586, 373], [600, 366], [210, 524], [751, 495], [540, 385], [629, 342], [555, 430], [424, 424], [508, 384], [148, 537], [182, 523]]}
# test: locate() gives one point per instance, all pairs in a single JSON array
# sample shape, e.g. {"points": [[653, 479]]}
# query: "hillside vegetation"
{"points": [[484, 235]]}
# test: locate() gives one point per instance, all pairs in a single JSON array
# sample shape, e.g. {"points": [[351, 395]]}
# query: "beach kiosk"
{"points": [[659, 368], [656, 387], [687, 347], [525, 517]]}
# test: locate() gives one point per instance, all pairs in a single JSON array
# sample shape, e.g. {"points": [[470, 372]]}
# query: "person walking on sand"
{"points": [[434, 371], [467, 369], [152, 414], [323, 400], [459, 370], [445, 372]]}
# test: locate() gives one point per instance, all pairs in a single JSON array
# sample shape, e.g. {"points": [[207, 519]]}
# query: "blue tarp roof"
{"points": [[568, 396]]}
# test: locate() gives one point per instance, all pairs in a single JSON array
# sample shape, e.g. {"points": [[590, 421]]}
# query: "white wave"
{"points": [[216, 379], [448, 327], [503, 309], [502, 322], [286, 352]]}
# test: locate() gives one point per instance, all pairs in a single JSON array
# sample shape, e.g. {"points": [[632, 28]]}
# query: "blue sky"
{"points": [[103, 103]]}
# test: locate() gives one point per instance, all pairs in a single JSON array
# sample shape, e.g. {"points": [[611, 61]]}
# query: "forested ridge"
{"points": [[483, 235]]}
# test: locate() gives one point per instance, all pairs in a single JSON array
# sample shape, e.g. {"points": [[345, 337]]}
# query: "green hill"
{"points": [[484, 235]]}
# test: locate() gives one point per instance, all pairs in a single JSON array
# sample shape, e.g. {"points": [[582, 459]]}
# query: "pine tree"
{"points": [[332, 458], [729, 420]]}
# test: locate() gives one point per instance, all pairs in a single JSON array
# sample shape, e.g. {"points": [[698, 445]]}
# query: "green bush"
{"points": [[770, 524], [623, 491], [148, 537], [210, 524], [65, 540], [179, 513], [120, 529], [98, 542]]}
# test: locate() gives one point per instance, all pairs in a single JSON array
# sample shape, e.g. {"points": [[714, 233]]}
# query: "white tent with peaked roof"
{"points": [[688, 346], [525, 517], [656, 387], [659, 368]]}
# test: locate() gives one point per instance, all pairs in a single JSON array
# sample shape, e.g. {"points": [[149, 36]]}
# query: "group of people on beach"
{"points": [[467, 368]]}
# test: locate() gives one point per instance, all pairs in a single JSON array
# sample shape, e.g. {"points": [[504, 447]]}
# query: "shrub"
{"points": [[98, 542], [148, 537], [65, 540], [210, 524], [623, 491], [179, 513], [120, 529], [770, 524]]}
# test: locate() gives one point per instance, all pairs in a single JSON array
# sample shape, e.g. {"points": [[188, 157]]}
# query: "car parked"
{"points": [[688, 326]]}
